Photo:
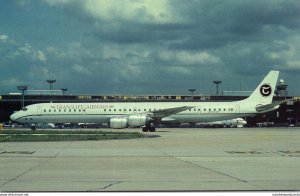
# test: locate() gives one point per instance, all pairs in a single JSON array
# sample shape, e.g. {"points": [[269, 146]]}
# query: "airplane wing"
{"points": [[261, 108], [167, 112]]}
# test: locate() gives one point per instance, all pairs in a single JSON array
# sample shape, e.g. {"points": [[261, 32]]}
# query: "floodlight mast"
{"points": [[192, 90], [64, 90], [22, 88], [51, 82]]}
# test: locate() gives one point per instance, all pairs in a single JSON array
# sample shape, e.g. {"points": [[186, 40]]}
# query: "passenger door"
{"points": [[237, 109], [39, 110]]}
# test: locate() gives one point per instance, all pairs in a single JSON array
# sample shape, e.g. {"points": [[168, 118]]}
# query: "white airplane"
{"points": [[237, 122], [145, 114]]}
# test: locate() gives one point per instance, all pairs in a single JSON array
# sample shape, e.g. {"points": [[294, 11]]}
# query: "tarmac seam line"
{"points": [[218, 172], [105, 187], [189, 162], [23, 173]]}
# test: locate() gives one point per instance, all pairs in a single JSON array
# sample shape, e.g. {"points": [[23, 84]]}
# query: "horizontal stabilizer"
{"points": [[261, 108]]}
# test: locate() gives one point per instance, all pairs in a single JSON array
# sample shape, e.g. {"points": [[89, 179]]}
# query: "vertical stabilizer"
{"points": [[264, 92]]}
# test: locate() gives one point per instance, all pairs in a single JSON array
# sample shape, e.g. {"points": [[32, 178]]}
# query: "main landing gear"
{"points": [[149, 128], [33, 127]]}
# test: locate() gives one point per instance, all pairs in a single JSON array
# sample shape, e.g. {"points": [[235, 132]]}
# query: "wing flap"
{"points": [[167, 112]]}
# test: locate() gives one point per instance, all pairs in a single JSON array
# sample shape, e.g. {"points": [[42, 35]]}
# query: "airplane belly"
{"points": [[190, 118], [71, 119]]}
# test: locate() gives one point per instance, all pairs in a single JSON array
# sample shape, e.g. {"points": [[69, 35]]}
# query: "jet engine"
{"points": [[118, 122], [137, 120], [134, 120]]}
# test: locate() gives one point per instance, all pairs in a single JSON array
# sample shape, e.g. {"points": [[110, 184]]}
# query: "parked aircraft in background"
{"points": [[237, 122], [147, 114]]}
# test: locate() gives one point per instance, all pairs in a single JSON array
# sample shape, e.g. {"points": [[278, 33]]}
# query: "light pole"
{"points": [[51, 82], [64, 90], [22, 88], [192, 90], [217, 82]]}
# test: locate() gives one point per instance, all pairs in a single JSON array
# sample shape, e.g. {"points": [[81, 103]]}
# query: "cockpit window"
{"points": [[24, 109]]}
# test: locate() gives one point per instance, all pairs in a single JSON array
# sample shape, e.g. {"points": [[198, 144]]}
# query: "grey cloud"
{"points": [[217, 23], [143, 54], [132, 33]]}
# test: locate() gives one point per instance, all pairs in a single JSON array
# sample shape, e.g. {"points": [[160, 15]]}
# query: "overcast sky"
{"points": [[148, 46]]}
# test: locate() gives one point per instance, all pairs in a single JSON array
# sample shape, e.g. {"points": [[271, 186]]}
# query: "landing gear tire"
{"points": [[145, 129], [150, 129]]}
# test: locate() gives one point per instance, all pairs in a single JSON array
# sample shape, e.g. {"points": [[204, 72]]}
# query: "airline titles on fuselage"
{"points": [[81, 107]]}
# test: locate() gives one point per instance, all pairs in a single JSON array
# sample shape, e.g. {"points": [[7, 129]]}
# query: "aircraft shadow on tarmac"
{"points": [[152, 136]]}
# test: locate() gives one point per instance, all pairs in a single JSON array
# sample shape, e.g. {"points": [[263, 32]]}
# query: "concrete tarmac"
{"points": [[178, 159]]}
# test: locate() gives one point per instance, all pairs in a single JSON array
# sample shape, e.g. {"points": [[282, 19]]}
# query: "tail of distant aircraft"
{"points": [[264, 92]]}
